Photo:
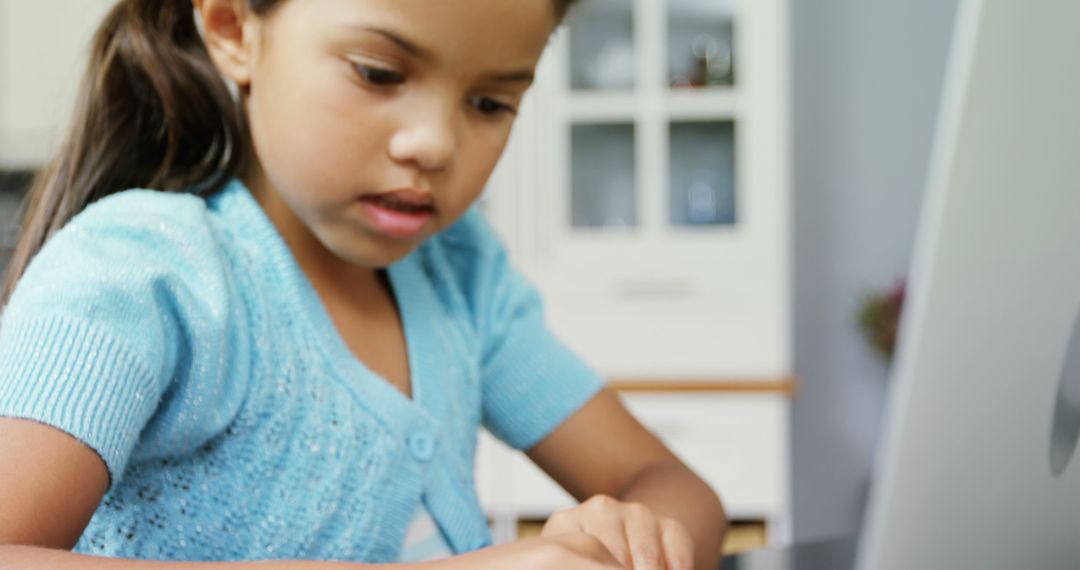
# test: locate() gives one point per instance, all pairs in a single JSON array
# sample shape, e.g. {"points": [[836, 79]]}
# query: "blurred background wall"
{"points": [[867, 80]]}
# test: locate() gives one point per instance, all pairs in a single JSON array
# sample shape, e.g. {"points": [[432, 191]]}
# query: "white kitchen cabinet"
{"points": [[646, 191], [43, 50], [656, 219]]}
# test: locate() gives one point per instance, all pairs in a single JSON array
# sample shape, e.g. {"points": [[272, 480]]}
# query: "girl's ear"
{"points": [[230, 32]]}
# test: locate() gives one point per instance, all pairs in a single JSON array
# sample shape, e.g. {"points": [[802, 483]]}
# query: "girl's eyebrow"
{"points": [[413, 49], [522, 76], [517, 76]]}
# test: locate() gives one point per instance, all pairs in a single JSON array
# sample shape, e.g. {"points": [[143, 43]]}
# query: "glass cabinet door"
{"points": [[602, 51], [655, 162], [602, 176], [702, 179], [652, 127], [701, 43]]}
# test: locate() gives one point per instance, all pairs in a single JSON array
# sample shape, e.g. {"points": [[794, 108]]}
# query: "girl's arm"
{"points": [[51, 484], [602, 452], [34, 558]]}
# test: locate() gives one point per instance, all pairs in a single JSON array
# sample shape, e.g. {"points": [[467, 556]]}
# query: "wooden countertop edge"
{"points": [[785, 386]]}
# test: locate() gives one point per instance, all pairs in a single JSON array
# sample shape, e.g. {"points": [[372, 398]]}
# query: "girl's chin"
{"points": [[375, 254]]}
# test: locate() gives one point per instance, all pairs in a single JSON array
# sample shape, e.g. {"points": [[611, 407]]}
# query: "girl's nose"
{"points": [[428, 139]]}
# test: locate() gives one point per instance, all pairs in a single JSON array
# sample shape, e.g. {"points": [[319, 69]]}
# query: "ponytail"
{"points": [[151, 112]]}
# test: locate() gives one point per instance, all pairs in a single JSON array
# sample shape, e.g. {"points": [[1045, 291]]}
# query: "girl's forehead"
{"points": [[445, 28]]}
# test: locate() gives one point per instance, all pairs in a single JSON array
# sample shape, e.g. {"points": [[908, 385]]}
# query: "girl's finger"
{"points": [[678, 545], [643, 534], [593, 548], [560, 522], [611, 530], [602, 517]]}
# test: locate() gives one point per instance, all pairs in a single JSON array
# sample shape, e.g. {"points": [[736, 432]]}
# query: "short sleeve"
{"points": [[531, 381], [102, 317]]}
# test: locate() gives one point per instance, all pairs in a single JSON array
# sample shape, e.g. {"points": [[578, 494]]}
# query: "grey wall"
{"points": [[867, 80]]}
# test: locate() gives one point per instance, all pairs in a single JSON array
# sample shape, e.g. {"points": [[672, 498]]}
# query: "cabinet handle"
{"points": [[654, 289]]}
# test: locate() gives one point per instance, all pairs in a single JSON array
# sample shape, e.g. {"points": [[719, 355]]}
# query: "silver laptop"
{"points": [[978, 468]]}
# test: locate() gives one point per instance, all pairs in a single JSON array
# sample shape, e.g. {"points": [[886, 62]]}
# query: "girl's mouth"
{"points": [[400, 214]]}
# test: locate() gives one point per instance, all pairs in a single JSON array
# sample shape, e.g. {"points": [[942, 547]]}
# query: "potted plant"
{"points": [[879, 318]]}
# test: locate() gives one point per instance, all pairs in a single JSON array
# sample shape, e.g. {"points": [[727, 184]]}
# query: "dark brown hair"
{"points": [[151, 112]]}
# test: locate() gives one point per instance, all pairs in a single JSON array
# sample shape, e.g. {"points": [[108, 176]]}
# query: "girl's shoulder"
{"points": [[141, 207], [492, 288], [122, 246], [140, 226]]}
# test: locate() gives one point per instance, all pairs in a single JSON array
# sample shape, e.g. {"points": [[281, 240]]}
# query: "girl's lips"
{"points": [[393, 222]]}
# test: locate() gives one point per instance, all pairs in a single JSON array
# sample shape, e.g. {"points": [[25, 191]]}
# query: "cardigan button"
{"points": [[421, 446]]}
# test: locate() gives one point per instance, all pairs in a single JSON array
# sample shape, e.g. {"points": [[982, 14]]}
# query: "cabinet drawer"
{"points": [[736, 442]]}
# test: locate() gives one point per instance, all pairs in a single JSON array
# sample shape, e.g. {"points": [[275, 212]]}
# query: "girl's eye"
{"points": [[488, 106], [377, 76]]}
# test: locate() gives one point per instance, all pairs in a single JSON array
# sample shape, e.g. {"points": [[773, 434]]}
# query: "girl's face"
{"points": [[376, 123]]}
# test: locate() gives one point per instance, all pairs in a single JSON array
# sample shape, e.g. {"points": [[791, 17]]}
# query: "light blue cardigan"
{"points": [[178, 338]]}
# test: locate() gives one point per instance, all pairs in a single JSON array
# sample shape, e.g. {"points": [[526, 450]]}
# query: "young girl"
{"points": [[285, 350]]}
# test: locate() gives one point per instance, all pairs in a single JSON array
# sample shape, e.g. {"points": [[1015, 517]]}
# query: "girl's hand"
{"points": [[635, 536], [570, 550]]}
